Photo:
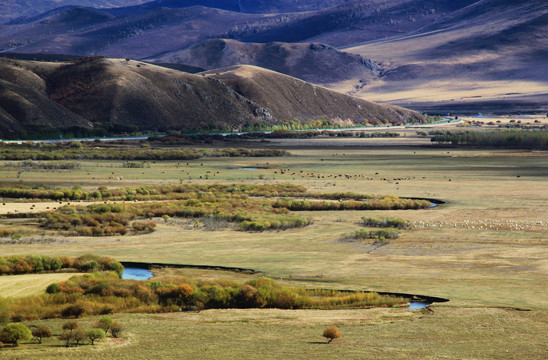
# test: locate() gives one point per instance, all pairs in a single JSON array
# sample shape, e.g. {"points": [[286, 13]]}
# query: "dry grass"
{"points": [[32, 284]]}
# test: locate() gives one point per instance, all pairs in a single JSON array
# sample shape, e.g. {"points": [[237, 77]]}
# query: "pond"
{"points": [[415, 305], [250, 168], [136, 274]]}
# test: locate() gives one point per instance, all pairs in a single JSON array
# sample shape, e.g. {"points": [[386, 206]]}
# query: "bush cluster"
{"points": [[506, 139], [382, 234], [77, 151], [384, 222], [16, 264], [378, 203], [249, 206], [104, 220], [45, 165], [101, 293], [159, 192]]}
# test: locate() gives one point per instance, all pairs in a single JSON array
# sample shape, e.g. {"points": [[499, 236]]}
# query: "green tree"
{"points": [[95, 334], [17, 332], [41, 332], [104, 323]]}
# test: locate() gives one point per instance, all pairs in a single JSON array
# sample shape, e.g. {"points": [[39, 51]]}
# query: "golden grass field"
{"points": [[33, 284], [485, 250]]}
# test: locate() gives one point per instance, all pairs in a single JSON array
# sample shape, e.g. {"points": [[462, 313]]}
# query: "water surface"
{"points": [[136, 274]]}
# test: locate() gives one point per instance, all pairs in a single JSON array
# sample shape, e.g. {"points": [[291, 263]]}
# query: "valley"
{"points": [[342, 179]]}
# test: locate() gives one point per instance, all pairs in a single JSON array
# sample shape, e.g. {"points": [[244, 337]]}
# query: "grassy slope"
{"points": [[25, 285]]}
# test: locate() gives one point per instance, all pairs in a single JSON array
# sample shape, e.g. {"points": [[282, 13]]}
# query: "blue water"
{"points": [[136, 274], [250, 168], [413, 305]]}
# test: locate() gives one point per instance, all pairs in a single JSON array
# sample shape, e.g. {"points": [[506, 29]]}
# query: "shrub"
{"points": [[53, 288], [41, 332], [144, 226], [331, 333], [388, 233], [391, 222], [115, 266], [75, 310], [116, 330]]}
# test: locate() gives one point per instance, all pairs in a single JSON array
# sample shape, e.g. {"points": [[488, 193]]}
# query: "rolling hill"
{"points": [[316, 63], [92, 92]]}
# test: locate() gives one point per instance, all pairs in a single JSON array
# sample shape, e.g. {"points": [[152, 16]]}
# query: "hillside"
{"points": [[101, 93], [17, 9], [172, 25], [316, 63], [489, 56], [13, 9], [286, 98]]}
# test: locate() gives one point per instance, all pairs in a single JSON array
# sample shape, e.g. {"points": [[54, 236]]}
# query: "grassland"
{"points": [[485, 249], [32, 284]]}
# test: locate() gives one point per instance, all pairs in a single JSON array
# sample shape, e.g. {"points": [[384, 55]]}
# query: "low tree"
{"points": [[116, 329], [66, 336], [104, 323], [79, 336], [41, 332], [95, 334], [4, 337], [331, 333], [68, 330], [16, 332]]}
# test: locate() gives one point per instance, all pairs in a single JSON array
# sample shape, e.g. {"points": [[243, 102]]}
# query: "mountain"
{"points": [[92, 92], [491, 55], [316, 63], [18, 9], [430, 55], [163, 26], [134, 33], [13, 9]]}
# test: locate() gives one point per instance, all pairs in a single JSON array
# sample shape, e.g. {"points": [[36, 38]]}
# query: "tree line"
{"points": [[499, 139]]}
